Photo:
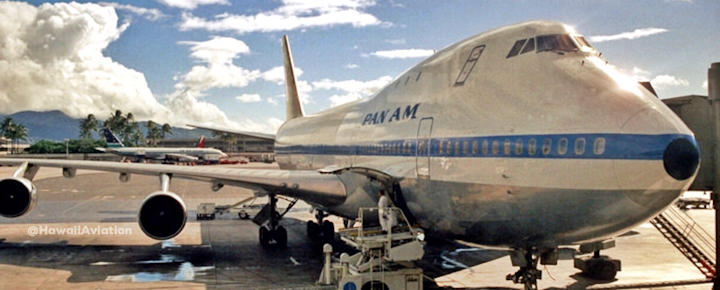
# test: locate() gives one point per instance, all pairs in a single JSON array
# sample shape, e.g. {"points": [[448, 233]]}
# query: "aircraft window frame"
{"points": [[440, 147], [472, 59], [417, 79], [556, 42], [475, 147], [448, 148], [532, 146], [562, 146], [529, 46], [518, 147], [495, 147], [507, 146], [582, 41], [485, 147], [465, 147], [599, 146], [547, 146], [516, 48], [580, 144], [457, 148]]}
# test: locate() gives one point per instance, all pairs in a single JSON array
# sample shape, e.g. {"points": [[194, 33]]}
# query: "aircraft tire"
{"points": [[604, 271], [328, 231], [313, 230], [281, 237], [264, 237]]}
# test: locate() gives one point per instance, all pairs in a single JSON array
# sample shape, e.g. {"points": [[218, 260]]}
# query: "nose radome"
{"points": [[681, 158]]}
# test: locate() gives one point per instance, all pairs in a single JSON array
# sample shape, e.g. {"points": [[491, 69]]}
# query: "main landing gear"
{"points": [[322, 230], [527, 260], [271, 233], [597, 267]]}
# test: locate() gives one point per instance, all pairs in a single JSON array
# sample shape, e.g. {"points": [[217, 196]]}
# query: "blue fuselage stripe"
{"points": [[555, 146]]}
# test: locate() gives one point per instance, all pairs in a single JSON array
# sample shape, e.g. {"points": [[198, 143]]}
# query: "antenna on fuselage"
{"points": [[293, 108]]}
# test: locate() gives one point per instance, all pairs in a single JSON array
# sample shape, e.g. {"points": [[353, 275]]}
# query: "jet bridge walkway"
{"points": [[688, 237]]}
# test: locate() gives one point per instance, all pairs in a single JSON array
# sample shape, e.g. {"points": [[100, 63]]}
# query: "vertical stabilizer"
{"points": [[293, 108], [200, 143], [112, 140]]}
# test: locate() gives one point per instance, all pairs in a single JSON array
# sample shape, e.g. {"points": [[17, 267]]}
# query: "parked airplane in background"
{"points": [[193, 154], [522, 137]]}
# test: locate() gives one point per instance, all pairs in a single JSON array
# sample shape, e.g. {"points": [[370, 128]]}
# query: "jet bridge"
{"points": [[384, 261]]}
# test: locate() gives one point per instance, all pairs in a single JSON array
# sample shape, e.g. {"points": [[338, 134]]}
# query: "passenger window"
{"points": [[485, 146], [532, 146], [475, 147], [546, 146], [440, 148], [449, 147], [599, 146], [518, 147], [562, 146], [457, 147], [506, 147], [580, 146], [516, 48], [465, 148], [496, 147], [530, 46]]}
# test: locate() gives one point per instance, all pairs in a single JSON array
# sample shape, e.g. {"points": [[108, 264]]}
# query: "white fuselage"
{"points": [[542, 148], [167, 153]]}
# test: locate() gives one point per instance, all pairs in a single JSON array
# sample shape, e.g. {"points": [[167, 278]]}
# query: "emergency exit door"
{"points": [[422, 152]]}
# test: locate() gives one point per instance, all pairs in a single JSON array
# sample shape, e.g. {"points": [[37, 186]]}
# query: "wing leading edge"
{"points": [[310, 186]]}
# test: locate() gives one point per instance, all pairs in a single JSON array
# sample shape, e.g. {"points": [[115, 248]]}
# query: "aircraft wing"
{"points": [[237, 132], [310, 186]]}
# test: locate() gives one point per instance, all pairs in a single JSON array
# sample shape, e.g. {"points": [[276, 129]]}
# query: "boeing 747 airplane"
{"points": [[193, 154], [523, 138]]}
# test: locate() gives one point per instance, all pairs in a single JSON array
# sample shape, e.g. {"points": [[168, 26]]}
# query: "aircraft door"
{"points": [[422, 152]]}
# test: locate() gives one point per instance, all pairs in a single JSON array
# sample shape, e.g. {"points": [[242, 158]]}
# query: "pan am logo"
{"points": [[399, 114]]}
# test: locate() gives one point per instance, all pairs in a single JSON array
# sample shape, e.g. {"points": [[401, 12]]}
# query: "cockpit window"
{"points": [[530, 46], [556, 42], [581, 40], [516, 48]]}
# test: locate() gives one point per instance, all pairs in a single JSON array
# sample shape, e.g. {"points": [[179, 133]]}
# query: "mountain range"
{"points": [[57, 126]]}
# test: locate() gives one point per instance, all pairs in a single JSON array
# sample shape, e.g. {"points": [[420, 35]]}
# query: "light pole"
{"points": [[67, 149]]}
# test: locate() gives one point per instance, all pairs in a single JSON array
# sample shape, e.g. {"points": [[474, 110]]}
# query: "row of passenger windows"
{"points": [[508, 147]]}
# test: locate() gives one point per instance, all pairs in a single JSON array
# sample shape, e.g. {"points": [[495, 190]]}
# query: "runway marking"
{"points": [[81, 203]]}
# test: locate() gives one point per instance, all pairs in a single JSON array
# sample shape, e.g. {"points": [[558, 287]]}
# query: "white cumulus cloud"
{"points": [[192, 4], [149, 14], [354, 89], [705, 85], [249, 98], [668, 81], [51, 59], [637, 33], [292, 15], [403, 53]]}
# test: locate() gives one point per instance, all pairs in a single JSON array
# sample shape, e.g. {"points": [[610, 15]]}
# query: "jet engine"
{"points": [[17, 196], [162, 215]]}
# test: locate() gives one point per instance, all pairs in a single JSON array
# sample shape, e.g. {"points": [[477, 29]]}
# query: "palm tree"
{"points": [[166, 129], [229, 139], [88, 126], [153, 133], [16, 133], [5, 127], [116, 122]]}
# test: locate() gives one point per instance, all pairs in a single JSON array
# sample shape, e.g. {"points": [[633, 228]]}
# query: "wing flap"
{"points": [[311, 186]]}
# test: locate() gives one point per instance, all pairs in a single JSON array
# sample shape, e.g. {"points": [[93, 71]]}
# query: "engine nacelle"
{"points": [[17, 196], [162, 215]]}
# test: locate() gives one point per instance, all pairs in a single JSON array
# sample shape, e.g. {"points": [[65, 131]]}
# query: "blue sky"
{"points": [[216, 62]]}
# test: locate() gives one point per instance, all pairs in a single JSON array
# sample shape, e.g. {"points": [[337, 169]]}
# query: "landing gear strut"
{"points": [[271, 232], [322, 230], [528, 273]]}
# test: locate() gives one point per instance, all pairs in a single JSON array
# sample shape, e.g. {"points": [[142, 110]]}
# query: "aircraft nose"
{"points": [[681, 158]]}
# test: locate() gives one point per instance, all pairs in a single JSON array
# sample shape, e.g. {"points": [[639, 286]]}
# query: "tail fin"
{"points": [[201, 142], [293, 108], [112, 140]]}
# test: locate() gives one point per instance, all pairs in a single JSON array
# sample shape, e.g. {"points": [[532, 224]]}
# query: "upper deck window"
{"points": [[556, 42], [516, 48], [582, 41]]}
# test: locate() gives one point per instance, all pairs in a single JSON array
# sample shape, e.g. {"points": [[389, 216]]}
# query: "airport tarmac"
{"points": [[225, 253]]}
